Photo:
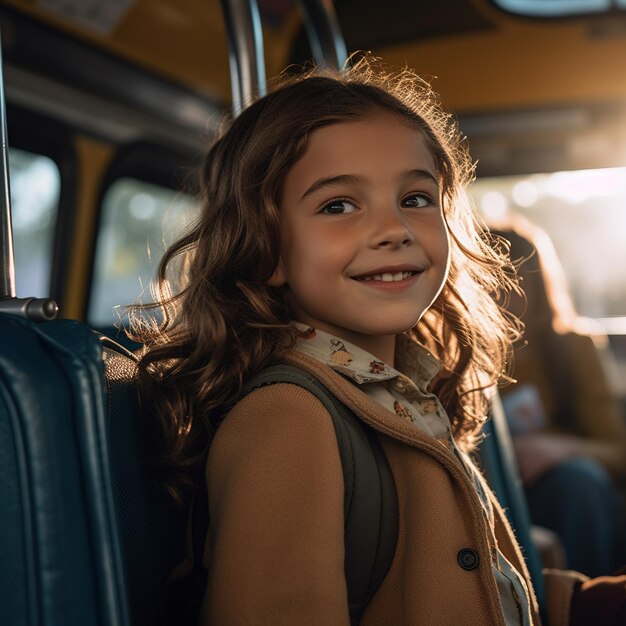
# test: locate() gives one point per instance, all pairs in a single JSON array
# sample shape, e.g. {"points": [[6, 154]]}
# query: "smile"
{"points": [[388, 277]]}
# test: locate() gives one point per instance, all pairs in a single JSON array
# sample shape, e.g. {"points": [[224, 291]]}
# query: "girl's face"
{"points": [[364, 244]]}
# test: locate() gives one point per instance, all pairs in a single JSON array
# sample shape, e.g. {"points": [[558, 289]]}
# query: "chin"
{"points": [[386, 328]]}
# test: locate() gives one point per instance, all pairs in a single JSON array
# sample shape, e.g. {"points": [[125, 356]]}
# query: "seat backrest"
{"points": [[151, 528], [59, 544], [85, 539]]}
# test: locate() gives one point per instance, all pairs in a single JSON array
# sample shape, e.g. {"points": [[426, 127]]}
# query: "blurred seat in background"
{"points": [[568, 428]]}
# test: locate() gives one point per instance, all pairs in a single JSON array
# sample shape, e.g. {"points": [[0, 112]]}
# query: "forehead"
{"points": [[380, 143]]}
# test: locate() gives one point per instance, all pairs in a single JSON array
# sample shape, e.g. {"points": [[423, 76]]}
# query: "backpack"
{"points": [[370, 507]]}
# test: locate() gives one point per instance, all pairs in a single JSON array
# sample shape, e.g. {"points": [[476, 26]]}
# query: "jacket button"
{"points": [[468, 559]]}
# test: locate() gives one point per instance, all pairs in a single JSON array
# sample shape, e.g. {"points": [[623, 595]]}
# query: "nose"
{"points": [[391, 230]]}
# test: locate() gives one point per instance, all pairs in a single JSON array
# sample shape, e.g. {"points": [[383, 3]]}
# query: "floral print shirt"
{"points": [[404, 391]]}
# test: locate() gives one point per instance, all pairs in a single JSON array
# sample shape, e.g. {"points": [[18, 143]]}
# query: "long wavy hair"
{"points": [[215, 321]]}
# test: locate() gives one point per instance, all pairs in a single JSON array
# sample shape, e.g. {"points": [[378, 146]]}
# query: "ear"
{"points": [[279, 277]]}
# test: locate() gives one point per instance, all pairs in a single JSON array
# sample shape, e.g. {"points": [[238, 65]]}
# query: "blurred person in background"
{"points": [[568, 427]]}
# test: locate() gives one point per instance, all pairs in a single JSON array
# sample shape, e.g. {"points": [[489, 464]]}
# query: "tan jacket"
{"points": [[275, 553]]}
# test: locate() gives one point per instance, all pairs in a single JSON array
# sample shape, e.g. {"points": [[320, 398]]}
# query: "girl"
{"points": [[335, 235]]}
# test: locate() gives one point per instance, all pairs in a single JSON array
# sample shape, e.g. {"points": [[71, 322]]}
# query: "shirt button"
{"points": [[468, 559]]}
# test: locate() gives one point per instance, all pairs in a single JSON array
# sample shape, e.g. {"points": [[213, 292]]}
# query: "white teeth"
{"points": [[388, 277]]}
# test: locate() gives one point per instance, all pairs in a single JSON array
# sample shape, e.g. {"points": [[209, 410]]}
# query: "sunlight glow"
{"points": [[494, 205], [525, 193], [584, 213]]}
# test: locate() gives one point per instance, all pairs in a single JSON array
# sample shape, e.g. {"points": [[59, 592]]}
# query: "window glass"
{"points": [[554, 8], [35, 188], [584, 213], [139, 220]]}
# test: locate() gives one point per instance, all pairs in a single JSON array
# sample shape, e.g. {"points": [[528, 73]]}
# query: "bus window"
{"points": [[558, 8], [583, 213], [554, 8], [35, 189], [139, 220]]}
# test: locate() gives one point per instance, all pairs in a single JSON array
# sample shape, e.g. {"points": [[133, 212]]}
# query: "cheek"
{"points": [[437, 244], [315, 250], [438, 251]]}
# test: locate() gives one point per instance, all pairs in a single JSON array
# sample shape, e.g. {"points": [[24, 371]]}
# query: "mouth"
{"points": [[387, 277], [390, 274]]}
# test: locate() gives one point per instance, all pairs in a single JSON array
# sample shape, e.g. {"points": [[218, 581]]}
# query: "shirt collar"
{"points": [[413, 360]]}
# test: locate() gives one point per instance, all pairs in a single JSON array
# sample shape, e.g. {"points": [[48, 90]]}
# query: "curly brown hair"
{"points": [[219, 322]]}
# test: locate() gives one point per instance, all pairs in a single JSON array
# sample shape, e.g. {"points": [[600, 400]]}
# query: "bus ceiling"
{"points": [[528, 92], [485, 58]]}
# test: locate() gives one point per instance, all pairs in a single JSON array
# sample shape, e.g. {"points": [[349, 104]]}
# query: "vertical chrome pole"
{"points": [[36, 309], [322, 28], [245, 51], [7, 273]]}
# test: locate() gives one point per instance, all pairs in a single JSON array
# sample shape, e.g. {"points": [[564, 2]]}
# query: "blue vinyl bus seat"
{"points": [[85, 541]]}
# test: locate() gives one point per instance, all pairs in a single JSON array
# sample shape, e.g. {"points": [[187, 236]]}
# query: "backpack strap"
{"points": [[370, 496], [370, 504]]}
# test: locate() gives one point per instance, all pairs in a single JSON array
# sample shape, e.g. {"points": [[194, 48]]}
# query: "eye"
{"points": [[339, 206], [417, 200]]}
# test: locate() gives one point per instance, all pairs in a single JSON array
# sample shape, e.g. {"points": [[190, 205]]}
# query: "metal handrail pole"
{"points": [[7, 258], [324, 33], [245, 52], [36, 309]]}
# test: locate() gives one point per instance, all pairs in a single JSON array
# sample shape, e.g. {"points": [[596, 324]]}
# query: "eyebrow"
{"points": [[332, 181], [343, 179], [419, 174]]}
